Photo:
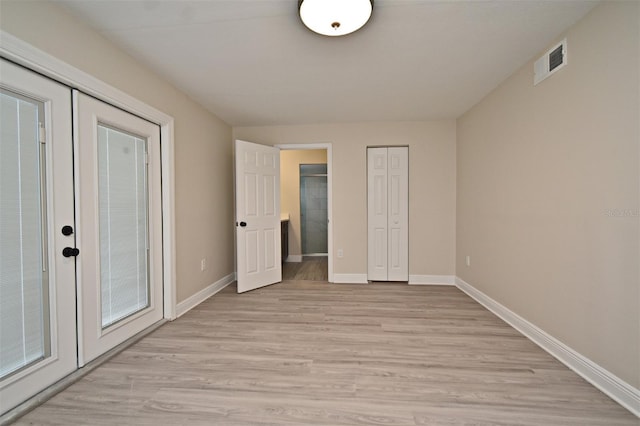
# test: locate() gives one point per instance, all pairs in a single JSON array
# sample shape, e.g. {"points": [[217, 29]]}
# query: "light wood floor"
{"points": [[312, 268], [299, 353]]}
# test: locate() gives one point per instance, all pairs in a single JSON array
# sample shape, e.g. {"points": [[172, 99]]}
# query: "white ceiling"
{"points": [[252, 62]]}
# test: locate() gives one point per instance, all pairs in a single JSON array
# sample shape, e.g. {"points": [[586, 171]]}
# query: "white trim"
{"points": [[350, 278], [432, 280], [196, 299], [23, 53], [329, 147], [616, 388], [168, 219], [294, 258]]}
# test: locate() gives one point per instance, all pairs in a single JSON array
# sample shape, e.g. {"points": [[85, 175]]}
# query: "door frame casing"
{"points": [[328, 146], [23, 53]]}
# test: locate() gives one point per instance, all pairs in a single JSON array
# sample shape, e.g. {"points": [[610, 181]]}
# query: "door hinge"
{"points": [[146, 157], [42, 133]]}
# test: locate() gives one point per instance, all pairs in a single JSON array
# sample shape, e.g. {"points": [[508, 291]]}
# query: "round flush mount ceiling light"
{"points": [[335, 17]]}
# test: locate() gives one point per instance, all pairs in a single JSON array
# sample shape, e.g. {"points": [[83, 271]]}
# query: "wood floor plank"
{"points": [[312, 268], [303, 352]]}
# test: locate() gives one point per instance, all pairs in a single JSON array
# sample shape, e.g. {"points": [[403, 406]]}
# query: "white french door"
{"points": [[257, 215], [37, 282], [80, 230], [119, 218]]}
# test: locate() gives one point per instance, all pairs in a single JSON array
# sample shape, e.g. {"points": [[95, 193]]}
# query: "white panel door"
{"points": [[257, 215], [388, 214], [119, 225], [377, 211], [398, 214], [37, 283]]}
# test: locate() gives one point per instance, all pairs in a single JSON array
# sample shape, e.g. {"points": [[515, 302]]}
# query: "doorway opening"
{"points": [[313, 209], [305, 191]]}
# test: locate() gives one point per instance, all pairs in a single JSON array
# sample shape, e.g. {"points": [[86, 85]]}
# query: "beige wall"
{"points": [[541, 174], [290, 161], [541, 170], [432, 179], [203, 166]]}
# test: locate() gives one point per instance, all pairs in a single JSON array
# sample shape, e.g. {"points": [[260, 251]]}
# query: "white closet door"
{"points": [[37, 283], [119, 230], [377, 211], [388, 214], [398, 214]]}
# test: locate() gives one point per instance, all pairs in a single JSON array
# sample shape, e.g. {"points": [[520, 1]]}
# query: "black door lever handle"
{"points": [[70, 252]]}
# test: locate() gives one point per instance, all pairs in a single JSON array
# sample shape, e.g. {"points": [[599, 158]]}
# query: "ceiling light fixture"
{"points": [[335, 17]]}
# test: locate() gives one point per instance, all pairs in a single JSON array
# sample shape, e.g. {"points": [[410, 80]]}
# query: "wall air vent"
{"points": [[550, 62]]}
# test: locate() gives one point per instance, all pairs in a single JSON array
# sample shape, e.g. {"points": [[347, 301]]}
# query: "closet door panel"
{"points": [[377, 219], [398, 213]]}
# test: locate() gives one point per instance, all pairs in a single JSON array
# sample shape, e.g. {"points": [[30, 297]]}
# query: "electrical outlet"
{"points": [[468, 260], [340, 253], [203, 264]]}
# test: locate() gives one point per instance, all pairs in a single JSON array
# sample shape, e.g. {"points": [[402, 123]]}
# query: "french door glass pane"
{"points": [[24, 336], [122, 188]]}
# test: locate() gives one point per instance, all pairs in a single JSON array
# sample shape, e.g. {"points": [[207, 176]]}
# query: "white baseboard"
{"points": [[193, 301], [413, 279], [294, 258], [616, 388], [432, 280], [350, 278]]}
